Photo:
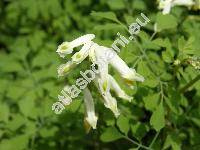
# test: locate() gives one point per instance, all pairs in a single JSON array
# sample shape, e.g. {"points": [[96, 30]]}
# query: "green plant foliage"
{"points": [[165, 110]]}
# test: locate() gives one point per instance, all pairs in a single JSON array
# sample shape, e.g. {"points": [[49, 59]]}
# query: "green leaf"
{"points": [[109, 26], [41, 58], [123, 124], [4, 112], [106, 15], [165, 21], [15, 91], [20, 142], [151, 82], [139, 5], [186, 47], [139, 130], [116, 5], [110, 134], [151, 101], [44, 132], [8, 64], [167, 57], [26, 106], [173, 101], [129, 19], [172, 140], [158, 118], [16, 122], [143, 69]]}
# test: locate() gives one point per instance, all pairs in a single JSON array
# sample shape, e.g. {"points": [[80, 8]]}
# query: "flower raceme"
{"points": [[101, 57], [166, 5]]}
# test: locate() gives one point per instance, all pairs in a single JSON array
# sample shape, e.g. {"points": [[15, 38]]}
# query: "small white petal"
{"points": [[91, 118]]}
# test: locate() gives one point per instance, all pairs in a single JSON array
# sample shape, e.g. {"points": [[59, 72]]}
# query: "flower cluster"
{"points": [[166, 5], [102, 57]]}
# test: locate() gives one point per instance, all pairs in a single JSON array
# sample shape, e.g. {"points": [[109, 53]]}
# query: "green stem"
{"points": [[136, 143], [154, 139], [183, 89]]}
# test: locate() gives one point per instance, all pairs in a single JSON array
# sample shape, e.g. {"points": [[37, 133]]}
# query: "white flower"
{"points": [[166, 5], [67, 47], [91, 118]]}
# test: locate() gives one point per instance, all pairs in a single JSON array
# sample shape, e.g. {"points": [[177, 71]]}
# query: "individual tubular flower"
{"points": [[129, 74], [117, 89], [111, 103], [65, 68], [166, 5], [67, 47], [91, 118], [78, 57]]}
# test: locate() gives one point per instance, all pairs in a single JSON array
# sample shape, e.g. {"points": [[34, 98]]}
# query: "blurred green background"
{"points": [[160, 117]]}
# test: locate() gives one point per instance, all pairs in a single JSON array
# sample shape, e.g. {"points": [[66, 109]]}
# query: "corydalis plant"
{"points": [[102, 57]]}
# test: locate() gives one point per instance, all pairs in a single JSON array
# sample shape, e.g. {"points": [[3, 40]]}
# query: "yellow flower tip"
{"points": [[132, 76], [129, 82]]}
